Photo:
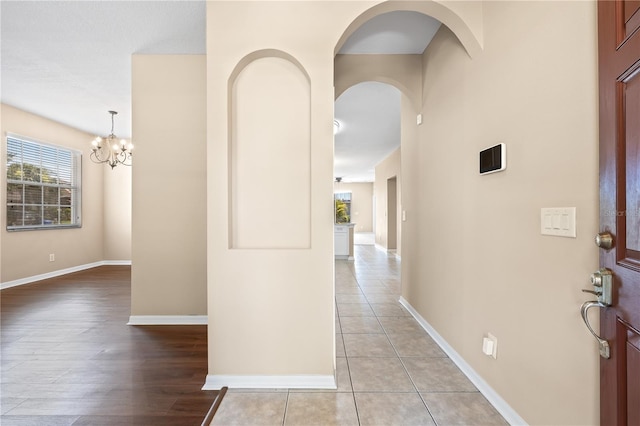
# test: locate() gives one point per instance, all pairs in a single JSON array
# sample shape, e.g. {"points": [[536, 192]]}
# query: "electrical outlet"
{"points": [[52, 257], [490, 346]]}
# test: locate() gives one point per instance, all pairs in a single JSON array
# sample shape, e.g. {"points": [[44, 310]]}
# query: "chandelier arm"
{"points": [[96, 159]]}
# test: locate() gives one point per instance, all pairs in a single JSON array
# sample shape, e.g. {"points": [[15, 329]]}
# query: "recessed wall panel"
{"points": [[270, 164]]}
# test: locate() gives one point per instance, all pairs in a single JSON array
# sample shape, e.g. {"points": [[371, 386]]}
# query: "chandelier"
{"points": [[111, 151]]}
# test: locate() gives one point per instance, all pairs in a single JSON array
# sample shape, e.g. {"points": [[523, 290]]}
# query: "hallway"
{"points": [[389, 370]]}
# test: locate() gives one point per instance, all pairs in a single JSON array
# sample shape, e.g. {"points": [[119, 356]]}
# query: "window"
{"points": [[43, 185], [343, 206]]}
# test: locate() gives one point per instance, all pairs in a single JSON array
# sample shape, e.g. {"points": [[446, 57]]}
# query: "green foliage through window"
{"points": [[43, 185], [342, 207]]}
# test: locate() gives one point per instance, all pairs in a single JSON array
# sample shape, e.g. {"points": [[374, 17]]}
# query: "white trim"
{"points": [[388, 251], [217, 381], [168, 320], [116, 262], [52, 274], [509, 414]]}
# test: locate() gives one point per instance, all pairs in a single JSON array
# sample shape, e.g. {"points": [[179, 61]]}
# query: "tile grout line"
{"points": [[395, 351], [286, 406], [346, 357], [410, 378]]}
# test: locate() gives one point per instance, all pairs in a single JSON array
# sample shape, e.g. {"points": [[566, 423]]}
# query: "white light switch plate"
{"points": [[558, 221]]}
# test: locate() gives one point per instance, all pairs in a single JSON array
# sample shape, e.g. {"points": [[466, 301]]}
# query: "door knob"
{"points": [[604, 240]]}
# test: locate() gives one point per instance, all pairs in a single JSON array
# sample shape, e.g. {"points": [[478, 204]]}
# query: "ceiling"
{"points": [[369, 117], [70, 61], [400, 32]]}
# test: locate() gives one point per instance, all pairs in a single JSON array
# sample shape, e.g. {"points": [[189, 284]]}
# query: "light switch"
{"points": [[558, 221]]}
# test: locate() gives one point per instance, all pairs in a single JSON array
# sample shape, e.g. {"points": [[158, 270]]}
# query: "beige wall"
{"points": [[411, 190], [389, 168], [169, 178], [508, 93], [271, 310], [361, 203], [251, 309], [26, 253], [534, 88], [117, 213], [400, 71]]}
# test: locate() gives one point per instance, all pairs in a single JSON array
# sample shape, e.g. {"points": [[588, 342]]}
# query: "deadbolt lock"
{"points": [[602, 281]]}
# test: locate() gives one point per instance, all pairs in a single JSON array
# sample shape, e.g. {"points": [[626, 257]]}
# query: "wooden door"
{"points": [[619, 81]]}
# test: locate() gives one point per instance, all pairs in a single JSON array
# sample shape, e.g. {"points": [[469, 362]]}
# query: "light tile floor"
{"points": [[390, 372]]}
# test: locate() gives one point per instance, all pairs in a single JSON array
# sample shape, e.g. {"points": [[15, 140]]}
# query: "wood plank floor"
{"points": [[68, 357]]}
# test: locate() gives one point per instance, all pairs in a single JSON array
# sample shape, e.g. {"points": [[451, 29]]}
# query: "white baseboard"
{"points": [[217, 381], [116, 262], [59, 272], [389, 251], [168, 320], [509, 414]]}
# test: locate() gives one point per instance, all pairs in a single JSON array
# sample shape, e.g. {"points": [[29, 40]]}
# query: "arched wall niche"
{"points": [[471, 38], [269, 153], [265, 53]]}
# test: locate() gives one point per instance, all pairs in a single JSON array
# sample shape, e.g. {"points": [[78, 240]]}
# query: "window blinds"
{"points": [[43, 185]]}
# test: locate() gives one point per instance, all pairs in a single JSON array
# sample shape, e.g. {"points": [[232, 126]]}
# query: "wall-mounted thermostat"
{"points": [[493, 159]]}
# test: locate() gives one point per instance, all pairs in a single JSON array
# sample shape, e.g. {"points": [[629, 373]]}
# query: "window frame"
{"points": [[74, 167]]}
